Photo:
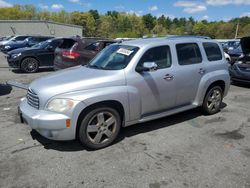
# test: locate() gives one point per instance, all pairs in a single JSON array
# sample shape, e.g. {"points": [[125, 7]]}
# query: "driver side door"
{"points": [[156, 88]]}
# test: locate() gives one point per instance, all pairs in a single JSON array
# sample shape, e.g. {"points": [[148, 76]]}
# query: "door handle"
{"points": [[168, 77], [202, 71]]}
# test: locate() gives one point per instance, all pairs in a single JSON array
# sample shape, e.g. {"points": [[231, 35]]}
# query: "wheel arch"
{"points": [[34, 57], [107, 103]]}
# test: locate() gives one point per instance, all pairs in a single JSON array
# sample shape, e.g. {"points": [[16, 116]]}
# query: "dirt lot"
{"points": [[184, 150]]}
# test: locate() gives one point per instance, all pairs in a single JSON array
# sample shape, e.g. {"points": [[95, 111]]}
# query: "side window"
{"points": [[20, 38], [213, 51], [160, 55], [93, 46], [188, 53]]}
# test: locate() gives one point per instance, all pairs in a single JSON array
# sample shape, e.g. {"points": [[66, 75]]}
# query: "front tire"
{"points": [[99, 128], [212, 101], [29, 65]]}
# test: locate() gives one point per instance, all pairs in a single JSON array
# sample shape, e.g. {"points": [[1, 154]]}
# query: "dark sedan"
{"points": [[30, 59], [28, 42], [240, 67]]}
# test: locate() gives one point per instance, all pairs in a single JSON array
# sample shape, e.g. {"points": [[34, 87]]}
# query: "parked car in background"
{"points": [[18, 38], [5, 38], [227, 57], [28, 42], [72, 53], [127, 83], [31, 59], [240, 66]]}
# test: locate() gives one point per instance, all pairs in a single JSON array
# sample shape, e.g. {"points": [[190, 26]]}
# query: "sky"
{"points": [[211, 10]]}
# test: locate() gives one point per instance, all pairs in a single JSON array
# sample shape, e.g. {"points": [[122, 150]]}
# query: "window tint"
{"points": [[67, 43], [188, 53], [56, 43], [160, 55], [93, 47], [21, 38], [212, 51]]}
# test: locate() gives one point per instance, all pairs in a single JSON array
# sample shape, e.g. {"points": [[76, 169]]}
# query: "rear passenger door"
{"points": [[190, 70]]}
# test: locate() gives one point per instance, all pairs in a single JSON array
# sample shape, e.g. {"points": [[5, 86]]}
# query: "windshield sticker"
{"points": [[124, 51]]}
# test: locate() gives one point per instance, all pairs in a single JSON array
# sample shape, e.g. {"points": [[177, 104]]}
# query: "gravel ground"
{"points": [[184, 150]]}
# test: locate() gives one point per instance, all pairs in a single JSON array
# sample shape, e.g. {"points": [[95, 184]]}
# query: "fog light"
{"points": [[67, 123]]}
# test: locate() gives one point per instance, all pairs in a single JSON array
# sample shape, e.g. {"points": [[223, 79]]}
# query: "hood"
{"points": [[21, 50], [245, 44], [16, 44], [76, 79]]}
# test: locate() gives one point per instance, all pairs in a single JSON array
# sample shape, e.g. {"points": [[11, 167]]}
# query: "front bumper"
{"points": [[13, 63], [51, 125]]}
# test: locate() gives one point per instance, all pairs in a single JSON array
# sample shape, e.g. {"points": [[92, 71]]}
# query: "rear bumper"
{"points": [[51, 125]]}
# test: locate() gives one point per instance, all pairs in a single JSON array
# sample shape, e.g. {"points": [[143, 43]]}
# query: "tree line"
{"points": [[115, 24]]}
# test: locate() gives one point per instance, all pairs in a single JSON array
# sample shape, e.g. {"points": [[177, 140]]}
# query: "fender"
{"points": [[92, 96], [209, 79]]}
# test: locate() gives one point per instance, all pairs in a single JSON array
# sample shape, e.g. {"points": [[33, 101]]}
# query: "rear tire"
{"points": [[29, 65], [99, 127], [212, 101]]}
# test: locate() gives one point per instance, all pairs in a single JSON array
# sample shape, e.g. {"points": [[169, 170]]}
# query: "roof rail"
{"points": [[188, 36]]}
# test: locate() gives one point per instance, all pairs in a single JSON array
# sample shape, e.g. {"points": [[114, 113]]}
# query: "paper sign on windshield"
{"points": [[124, 51]]}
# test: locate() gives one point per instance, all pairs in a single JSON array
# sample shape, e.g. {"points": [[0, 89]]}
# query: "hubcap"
{"points": [[101, 127], [214, 100]]}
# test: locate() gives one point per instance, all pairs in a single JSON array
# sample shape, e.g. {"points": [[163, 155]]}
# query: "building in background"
{"points": [[36, 27]]}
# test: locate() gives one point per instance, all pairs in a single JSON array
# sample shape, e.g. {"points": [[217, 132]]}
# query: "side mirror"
{"points": [[147, 67]]}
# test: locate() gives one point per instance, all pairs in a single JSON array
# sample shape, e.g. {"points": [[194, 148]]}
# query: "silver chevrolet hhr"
{"points": [[127, 83]]}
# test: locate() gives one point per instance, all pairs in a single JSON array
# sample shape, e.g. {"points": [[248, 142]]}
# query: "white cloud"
{"points": [[227, 2], [5, 4], [57, 6], [206, 17], [195, 9], [185, 4], [245, 14], [44, 7], [74, 1], [153, 8], [191, 6], [137, 13]]}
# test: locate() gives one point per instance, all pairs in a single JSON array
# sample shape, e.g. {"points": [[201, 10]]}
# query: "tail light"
{"points": [[71, 54]]}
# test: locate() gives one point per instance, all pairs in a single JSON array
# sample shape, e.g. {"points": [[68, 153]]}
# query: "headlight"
{"points": [[60, 105], [7, 47], [15, 55]]}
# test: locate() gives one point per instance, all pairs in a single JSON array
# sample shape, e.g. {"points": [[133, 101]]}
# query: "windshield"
{"points": [[114, 57]]}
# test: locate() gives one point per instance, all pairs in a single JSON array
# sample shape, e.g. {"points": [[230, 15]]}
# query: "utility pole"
{"points": [[236, 32]]}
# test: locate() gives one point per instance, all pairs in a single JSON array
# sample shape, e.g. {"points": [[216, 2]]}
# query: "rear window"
{"points": [[188, 53], [67, 44], [213, 51]]}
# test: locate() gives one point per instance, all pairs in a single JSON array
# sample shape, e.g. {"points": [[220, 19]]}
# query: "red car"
{"points": [[76, 51]]}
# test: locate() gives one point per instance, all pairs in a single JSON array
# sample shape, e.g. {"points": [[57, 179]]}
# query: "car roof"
{"points": [[164, 40]]}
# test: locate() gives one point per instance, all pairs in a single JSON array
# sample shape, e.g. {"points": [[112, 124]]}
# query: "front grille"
{"points": [[32, 99]]}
